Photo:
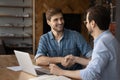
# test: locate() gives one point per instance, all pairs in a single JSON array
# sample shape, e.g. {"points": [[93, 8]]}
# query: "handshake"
{"points": [[68, 61]]}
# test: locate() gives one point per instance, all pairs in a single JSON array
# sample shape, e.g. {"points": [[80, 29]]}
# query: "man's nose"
{"points": [[60, 21]]}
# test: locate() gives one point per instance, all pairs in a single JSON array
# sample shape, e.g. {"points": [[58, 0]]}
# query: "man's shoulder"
{"points": [[71, 31], [46, 35], [72, 34]]}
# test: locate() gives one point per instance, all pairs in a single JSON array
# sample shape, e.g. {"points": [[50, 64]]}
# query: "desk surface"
{"points": [[6, 74]]}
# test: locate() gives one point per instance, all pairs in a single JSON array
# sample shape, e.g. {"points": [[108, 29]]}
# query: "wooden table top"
{"points": [[6, 74]]}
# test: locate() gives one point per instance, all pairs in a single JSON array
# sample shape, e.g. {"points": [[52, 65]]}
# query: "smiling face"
{"points": [[56, 22]]}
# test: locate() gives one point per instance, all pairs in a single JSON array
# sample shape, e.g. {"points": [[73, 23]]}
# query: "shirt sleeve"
{"points": [[42, 49], [96, 66], [89, 54], [83, 46]]}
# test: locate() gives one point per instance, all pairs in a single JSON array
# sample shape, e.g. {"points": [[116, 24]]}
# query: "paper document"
{"points": [[50, 77], [15, 68]]}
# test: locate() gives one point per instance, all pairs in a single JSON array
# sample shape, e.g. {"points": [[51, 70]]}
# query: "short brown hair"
{"points": [[101, 15], [52, 12]]}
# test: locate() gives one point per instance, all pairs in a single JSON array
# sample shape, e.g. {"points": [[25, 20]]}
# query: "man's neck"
{"points": [[57, 35], [97, 33]]}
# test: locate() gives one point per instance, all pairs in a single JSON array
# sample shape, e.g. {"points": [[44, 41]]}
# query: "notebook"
{"points": [[50, 77], [26, 64]]}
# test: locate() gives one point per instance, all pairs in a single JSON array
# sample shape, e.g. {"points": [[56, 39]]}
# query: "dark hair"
{"points": [[100, 15], [52, 12]]}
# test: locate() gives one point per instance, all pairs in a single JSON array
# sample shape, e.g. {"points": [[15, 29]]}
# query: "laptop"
{"points": [[25, 62]]}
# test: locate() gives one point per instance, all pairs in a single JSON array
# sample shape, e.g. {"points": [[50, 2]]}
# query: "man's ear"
{"points": [[93, 23], [48, 22]]}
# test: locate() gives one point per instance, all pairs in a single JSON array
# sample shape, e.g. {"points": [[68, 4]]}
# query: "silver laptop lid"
{"points": [[25, 62]]}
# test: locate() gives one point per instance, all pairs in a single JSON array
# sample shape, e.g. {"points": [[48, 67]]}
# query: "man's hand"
{"points": [[55, 70], [68, 61]]}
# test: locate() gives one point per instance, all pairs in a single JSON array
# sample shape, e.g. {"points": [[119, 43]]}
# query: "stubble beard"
{"points": [[90, 31], [57, 30]]}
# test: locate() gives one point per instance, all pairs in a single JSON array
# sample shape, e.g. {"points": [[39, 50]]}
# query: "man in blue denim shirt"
{"points": [[60, 42]]}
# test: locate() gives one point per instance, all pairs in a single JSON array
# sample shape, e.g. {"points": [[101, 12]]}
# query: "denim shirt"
{"points": [[71, 43]]}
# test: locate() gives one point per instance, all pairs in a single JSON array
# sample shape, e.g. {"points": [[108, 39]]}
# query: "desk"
{"points": [[6, 74]]}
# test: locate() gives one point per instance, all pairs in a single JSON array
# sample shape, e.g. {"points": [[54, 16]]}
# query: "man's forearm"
{"points": [[71, 74], [44, 60], [54, 69], [82, 61]]}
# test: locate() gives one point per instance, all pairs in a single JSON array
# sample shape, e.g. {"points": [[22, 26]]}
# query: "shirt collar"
{"points": [[52, 37], [105, 32]]}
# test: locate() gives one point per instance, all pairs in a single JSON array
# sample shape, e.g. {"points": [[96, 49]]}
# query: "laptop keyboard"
{"points": [[42, 71]]}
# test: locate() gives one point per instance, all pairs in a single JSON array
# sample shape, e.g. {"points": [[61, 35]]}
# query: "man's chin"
{"points": [[60, 29]]}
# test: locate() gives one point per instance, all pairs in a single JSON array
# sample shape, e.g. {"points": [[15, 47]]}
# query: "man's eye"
{"points": [[55, 19]]}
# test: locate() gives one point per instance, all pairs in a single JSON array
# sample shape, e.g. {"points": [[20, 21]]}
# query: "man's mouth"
{"points": [[60, 25]]}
